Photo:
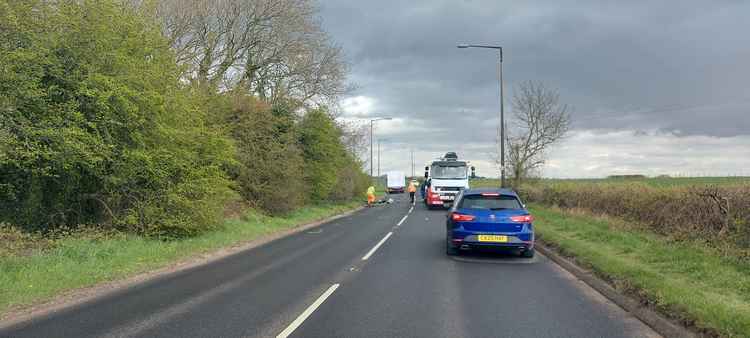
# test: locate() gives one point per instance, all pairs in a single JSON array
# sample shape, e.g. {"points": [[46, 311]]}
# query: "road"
{"points": [[381, 272]]}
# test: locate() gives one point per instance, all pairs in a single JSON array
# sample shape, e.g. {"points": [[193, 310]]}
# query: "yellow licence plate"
{"points": [[493, 238]]}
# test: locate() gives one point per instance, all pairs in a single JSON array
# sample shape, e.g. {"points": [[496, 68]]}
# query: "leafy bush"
{"points": [[97, 127], [322, 151], [331, 172], [351, 181], [269, 169]]}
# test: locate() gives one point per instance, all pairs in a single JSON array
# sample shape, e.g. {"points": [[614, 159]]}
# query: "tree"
{"points": [[272, 48], [323, 152], [332, 172], [269, 169], [540, 121], [97, 127]]}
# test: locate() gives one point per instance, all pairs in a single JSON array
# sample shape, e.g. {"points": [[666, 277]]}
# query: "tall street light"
{"points": [[372, 122], [379, 140], [502, 108]]}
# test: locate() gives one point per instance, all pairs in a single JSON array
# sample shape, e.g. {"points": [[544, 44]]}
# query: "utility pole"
{"points": [[502, 124], [412, 163], [372, 122], [378, 158], [502, 108]]}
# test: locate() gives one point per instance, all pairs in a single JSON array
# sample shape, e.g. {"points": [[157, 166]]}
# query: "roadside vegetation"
{"points": [[716, 215], [681, 245], [685, 279], [130, 129], [712, 210], [37, 267]]}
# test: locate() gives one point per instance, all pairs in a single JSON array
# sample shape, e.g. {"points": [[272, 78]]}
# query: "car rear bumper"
{"points": [[517, 240], [442, 200], [434, 203]]}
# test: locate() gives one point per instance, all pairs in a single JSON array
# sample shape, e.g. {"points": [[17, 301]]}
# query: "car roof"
{"points": [[479, 191]]}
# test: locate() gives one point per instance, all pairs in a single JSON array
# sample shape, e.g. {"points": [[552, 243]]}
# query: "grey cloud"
{"points": [[670, 65]]}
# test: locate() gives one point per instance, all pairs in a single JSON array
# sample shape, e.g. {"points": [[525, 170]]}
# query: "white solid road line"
{"points": [[372, 251], [297, 322], [402, 220]]}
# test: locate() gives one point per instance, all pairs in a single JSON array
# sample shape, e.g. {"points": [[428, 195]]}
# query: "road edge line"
{"points": [[308, 311], [653, 319], [375, 248], [79, 296]]}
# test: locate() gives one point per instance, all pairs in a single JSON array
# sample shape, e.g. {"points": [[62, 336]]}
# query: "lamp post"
{"points": [[372, 122], [412, 164], [502, 108], [379, 157]]}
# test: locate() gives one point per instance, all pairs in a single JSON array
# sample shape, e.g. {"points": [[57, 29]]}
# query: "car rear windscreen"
{"points": [[490, 202]]}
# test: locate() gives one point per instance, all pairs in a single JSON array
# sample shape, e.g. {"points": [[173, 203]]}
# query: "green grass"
{"points": [[77, 262], [682, 278]]}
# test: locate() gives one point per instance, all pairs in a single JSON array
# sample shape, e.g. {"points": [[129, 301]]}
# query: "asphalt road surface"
{"points": [[381, 272]]}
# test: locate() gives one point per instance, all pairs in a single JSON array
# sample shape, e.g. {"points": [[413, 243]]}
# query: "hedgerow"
{"points": [[717, 215], [97, 127], [100, 126]]}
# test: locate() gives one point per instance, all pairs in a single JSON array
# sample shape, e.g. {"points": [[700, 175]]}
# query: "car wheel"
{"points": [[528, 253], [450, 250]]}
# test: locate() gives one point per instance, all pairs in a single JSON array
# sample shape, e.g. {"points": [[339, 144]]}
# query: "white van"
{"points": [[395, 182]]}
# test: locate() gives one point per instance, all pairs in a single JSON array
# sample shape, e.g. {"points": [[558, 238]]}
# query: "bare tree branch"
{"points": [[540, 121], [275, 49]]}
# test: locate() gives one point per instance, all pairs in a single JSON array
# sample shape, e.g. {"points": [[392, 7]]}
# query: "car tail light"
{"points": [[490, 194], [522, 219], [461, 217]]}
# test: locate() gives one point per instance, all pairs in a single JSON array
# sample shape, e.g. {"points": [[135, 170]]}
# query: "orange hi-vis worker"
{"points": [[412, 189], [370, 196]]}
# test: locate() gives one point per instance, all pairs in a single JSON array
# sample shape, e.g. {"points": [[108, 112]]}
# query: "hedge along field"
{"points": [[717, 215]]}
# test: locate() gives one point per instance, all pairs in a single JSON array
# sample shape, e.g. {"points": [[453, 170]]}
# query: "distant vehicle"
{"points": [[489, 218], [446, 177], [395, 182]]}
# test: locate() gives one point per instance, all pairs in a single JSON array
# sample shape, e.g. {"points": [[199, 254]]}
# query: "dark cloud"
{"points": [[630, 65]]}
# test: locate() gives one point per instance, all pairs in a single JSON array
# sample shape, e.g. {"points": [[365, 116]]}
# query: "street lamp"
{"points": [[502, 108], [379, 141], [372, 121]]}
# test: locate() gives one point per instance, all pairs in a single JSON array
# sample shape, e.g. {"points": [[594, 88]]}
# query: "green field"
{"points": [[34, 272], [652, 181]]}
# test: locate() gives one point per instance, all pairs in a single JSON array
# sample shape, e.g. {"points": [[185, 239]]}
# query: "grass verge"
{"points": [[81, 261], [684, 280]]}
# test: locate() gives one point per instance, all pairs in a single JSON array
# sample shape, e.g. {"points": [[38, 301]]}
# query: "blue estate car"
{"points": [[489, 218]]}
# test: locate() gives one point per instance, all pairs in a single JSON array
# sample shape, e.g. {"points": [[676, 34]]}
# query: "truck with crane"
{"points": [[444, 179]]}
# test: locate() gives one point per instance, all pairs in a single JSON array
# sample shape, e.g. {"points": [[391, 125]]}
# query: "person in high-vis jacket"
{"points": [[370, 196], [412, 189]]}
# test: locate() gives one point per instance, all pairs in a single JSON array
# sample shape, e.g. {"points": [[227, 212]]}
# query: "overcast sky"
{"points": [[658, 87]]}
